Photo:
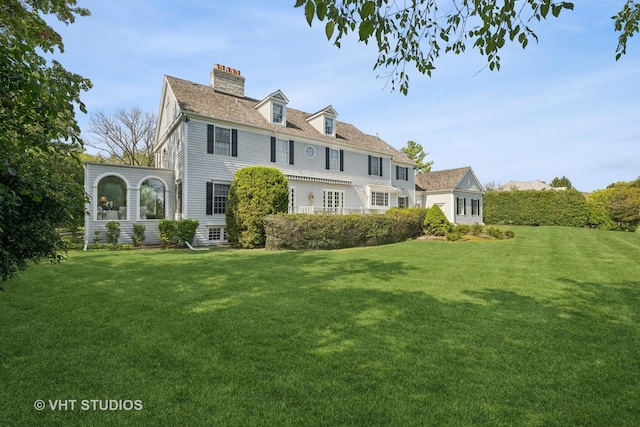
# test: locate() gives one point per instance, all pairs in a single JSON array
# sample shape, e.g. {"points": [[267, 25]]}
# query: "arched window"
{"points": [[152, 199], [112, 199]]}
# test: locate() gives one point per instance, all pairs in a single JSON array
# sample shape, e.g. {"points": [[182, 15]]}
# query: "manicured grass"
{"points": [[539, 330]]}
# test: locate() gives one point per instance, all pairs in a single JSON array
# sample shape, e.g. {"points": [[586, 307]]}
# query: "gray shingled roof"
{"points": [[204, 100], [440, 180]]}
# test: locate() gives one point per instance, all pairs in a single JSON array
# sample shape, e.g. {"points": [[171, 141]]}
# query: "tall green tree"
{"points": [[38, 133], [415, 152], [561, 182], [416, 33]]}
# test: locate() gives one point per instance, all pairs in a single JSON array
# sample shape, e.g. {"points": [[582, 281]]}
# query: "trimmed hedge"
{"points": [[306, 231], [530, 207]]}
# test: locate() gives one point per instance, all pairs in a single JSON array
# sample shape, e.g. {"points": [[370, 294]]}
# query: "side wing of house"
{"points": [[456, 191], [128, 195], [467, 200]]}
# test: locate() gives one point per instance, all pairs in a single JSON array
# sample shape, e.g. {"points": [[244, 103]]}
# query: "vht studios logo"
{"points": [[88, 405]]}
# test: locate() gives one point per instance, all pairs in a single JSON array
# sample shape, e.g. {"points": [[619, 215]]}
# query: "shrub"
{"points": [[186, 230], [113, 232], [462, 229], [138, 234], [435, 222], [495, 232], [168, 232], [453, 235], [256, 192], [174, 232], [303, 231], [508, 234], [476, 229]]}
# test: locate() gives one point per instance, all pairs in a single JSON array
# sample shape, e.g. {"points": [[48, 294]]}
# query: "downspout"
{"points": [[185, 168], [86, 210]]}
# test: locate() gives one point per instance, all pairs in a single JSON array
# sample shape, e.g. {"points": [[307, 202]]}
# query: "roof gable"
{"points": [[448, 180]]}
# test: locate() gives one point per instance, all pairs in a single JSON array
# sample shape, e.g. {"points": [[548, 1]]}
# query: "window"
{"points": [[375, 165], [379, 199], [112, 199], [152, 199], [217, 196], [403, 202], [179, 198], [278, 113], [334, 159], [328, 126], [220, 197], [460, 206], [402, 174], [292, 199], [222, 141], [333, 201], [216, 234], [310, 152], [282, 151], [475, 206]]}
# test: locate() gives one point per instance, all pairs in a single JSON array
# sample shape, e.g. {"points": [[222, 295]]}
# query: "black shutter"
{"points": [[273, 149], [397, 172], [328, 160], [209, 198], [234, 142], [291, 152], [406, 174], [369, 165], [210, 139], [380, 166], [341, 160]]}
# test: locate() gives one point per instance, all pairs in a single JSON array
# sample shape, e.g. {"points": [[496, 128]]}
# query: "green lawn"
{"points": [[541, 330]]}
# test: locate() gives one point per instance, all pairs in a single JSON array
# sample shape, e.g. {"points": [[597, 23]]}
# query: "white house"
{"points": [[205, 133], [456, 191]]}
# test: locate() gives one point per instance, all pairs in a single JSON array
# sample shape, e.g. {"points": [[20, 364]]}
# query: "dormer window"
{"points": [[278, 113], [274, 108], [324, 121], [328, 126]]}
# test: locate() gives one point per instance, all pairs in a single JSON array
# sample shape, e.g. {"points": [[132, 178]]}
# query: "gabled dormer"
{"points": [[274, 108], [324, 121]]}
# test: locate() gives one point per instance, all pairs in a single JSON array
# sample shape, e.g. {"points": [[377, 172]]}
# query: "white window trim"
{"points": [[333, 126], [332, 160], [215, 141], [282, 155], [274, 105], [372, 199], [334, 206]]}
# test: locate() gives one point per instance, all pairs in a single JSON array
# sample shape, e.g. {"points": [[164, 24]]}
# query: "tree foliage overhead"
{"points": [[126, 136], [415, 152], [417, 32], [38, 133]]}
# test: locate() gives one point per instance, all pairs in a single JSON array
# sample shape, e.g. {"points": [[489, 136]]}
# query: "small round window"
{"points": [[311, 152]]}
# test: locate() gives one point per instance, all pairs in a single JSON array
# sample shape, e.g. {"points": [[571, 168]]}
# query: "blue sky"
{"points": [[563, 106]]}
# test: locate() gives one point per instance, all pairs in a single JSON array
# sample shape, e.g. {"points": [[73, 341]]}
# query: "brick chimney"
{"points": [[227, 80]]}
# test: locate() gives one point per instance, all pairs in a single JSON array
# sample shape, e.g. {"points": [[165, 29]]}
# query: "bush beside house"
{"points": [[303, 231], [256, 191]]}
